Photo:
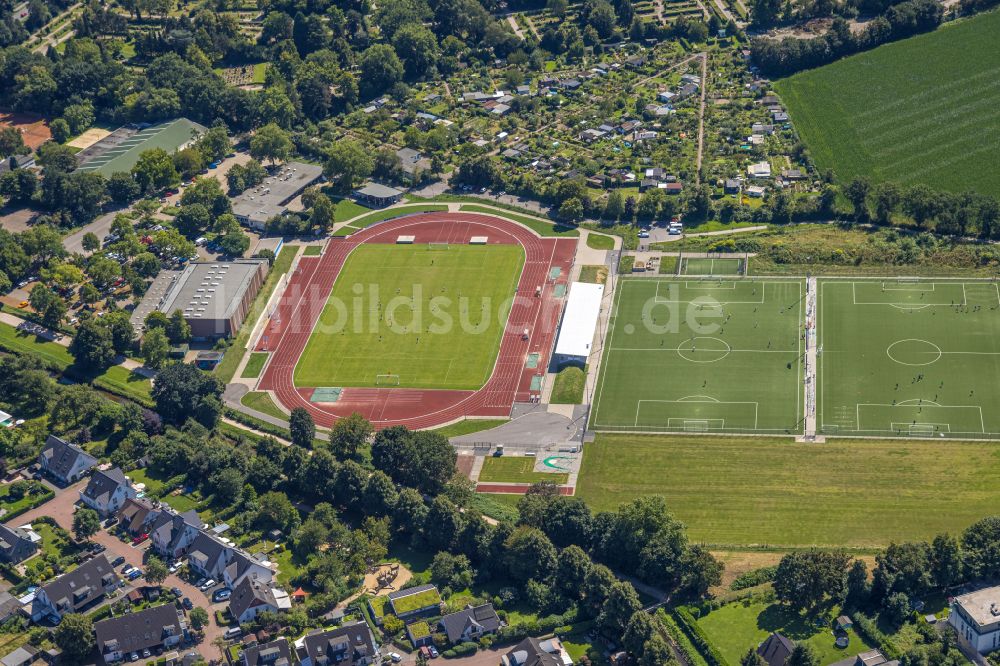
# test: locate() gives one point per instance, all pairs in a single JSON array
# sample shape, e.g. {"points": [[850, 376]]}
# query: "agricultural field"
{"points": [[907, 357], [416, 341], [928, 117], [775, 492], [702, 355]]}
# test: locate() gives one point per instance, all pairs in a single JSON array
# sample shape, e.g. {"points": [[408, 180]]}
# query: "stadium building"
{"points": [[579, 323]]}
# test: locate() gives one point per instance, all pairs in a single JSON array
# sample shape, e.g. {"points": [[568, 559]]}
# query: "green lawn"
{"points": [[428, 318], [600, 242], [312, 251], [928, 117], [181, 503], [700, 266], [737, 491], [735, 628], [412, 602], [346, 209], [227, 368], [153, 485], [711, 356], [386, 214], [259, 72], [541, 226], [469, 426], [902, 358], [516, 469], [569, 386], [255, 364], [262, 402], [594, 274], [14, 340]]}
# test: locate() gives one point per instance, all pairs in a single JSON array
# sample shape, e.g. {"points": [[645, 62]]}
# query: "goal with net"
{"points": [[387, 380], [438, 246]]}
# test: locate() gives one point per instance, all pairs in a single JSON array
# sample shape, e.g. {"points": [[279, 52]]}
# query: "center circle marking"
{"points": [[913, 347], [699, 344]]}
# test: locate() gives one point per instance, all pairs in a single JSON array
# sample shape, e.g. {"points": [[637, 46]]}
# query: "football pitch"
{"points": [[419, 316], [906, 357], [703, 356]]}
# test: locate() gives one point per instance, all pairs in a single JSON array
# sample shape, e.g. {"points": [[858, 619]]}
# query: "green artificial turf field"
{"points": [[776, 492], [922, 110], [707, 266], [912, 358], [426, 317], [703, 355]]}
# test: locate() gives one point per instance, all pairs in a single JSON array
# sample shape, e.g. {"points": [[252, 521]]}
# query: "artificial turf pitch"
{"points": [[910, 358], [415, 316], [703, 356]]}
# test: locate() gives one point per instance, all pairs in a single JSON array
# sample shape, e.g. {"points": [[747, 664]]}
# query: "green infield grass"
{"points": [[907, 357], [426, 317], [703, 356], [929, 116], [775, 492]]}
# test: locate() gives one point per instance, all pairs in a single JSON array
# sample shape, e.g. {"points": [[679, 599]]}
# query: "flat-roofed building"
{"points": [[215, 297], [374, 194], [976, 617], [254, 207], [579, 323]]}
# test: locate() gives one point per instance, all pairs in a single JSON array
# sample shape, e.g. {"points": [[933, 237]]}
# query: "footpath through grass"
{"points": [[924, 119], [227, 367], [516, 469], [429, 318], [738, 491]]}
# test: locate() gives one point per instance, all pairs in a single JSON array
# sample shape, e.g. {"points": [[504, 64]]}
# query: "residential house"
{"points": [[874, 658], [16, 544], [636, 62], [570, 84], [415, 601], [107, 491], [533, 652], [242, 566], [136, 516], [9, 606], [732, 186], [672, 188], [760, 170], [523, 90], [64, 462], [15, 162], [687, 90], [171, 534], [691, 78], [755, 191], [976, 618], [275, 653], [350, 645], [770, 101], [793, 174], [629, 126], [74, 591], [779, 116], [413, 164], [659, 110], [207, 556], [775, 649], [252, 596], [761, 129], [159, 627], [500, 109], [22, 656], [591, 135], [644, 135], [471, 623], [666, 96]]}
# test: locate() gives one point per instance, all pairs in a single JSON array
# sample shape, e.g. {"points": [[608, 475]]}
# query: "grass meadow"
{"points": [[774, 492], [921, 110], [404, 329]]}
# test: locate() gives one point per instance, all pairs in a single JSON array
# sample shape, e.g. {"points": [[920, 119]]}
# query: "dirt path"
{"points": [[701, 116], [721, 6], [513, 24]]}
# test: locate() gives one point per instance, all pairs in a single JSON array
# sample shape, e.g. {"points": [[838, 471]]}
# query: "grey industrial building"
{"points": [[254, 207], [215, 297]]}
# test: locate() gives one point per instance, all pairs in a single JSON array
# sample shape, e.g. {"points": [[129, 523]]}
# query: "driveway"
{"points": [[60, 507]]}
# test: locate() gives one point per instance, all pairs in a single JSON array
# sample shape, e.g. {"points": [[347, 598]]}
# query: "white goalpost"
{"points": [[387, 380]]}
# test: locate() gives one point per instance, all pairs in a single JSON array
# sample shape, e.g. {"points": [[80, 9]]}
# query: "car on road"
{"points": [[221, 595], [187, 604]]}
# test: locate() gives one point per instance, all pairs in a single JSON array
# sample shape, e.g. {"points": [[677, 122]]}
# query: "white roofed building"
{"points": [[579, 323]]}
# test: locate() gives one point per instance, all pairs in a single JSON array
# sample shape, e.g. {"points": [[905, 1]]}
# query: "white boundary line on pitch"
{"points": [[982, 422], [756, 407]]}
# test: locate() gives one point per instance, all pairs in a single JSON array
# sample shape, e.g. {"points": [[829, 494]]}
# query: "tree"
{"points": [[75, 636], [234, 243], [90, 241], [641, 627], [887, 198], [380, 70], [946, 561], [571, 210], [323, 212], [751, 658], [182, 391], [802, 655], [302, 428], [557, 7], [349, 434], [178, 329], [857, 193], [622, 603], [417, 47], [154, 170], [270, 142], [120, 327], [348, 163], [155, 348], [528, 554], [656, 652], [614, 208], [156, 571], [86, 522], [806, 578], [12, 142], [896, 609], [199, 618], [93, 347], [857, 583], [192, 220]]}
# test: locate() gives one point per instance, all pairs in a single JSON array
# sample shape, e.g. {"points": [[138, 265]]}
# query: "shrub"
{"points": [[754, 578], [690, 626], [868, 630]]}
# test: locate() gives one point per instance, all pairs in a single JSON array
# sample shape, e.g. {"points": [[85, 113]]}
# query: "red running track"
{"points": [[306, 294]]}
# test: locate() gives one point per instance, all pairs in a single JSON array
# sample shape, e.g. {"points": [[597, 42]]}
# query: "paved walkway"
{"points": [[810, 361]]}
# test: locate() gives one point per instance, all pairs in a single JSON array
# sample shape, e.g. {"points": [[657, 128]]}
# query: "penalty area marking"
{"points": [[686, 401]]}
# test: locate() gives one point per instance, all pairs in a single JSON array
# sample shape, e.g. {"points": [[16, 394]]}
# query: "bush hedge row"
{"points": [[690, 626], [868, 629]]}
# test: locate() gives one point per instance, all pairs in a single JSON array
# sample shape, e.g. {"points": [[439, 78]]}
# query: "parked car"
{"points": [[139, 539], [187, 604], [424, 651], [434, 652], [222, 595], [135, 573], [233, 632], [118, 561], [134, 656], [176, 591], [643, 234], [146, 653], [395, 657], [127, 569]]}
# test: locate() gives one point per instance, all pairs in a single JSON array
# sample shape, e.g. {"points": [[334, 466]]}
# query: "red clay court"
{"points": [[34, 128], [308, 289]]}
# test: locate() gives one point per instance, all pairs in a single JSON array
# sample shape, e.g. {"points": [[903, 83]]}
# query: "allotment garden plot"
{"points": [[703, 356], [909, 357]]}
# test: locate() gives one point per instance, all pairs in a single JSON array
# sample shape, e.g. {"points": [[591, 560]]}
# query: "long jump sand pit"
{"points": [[88, 138]]}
